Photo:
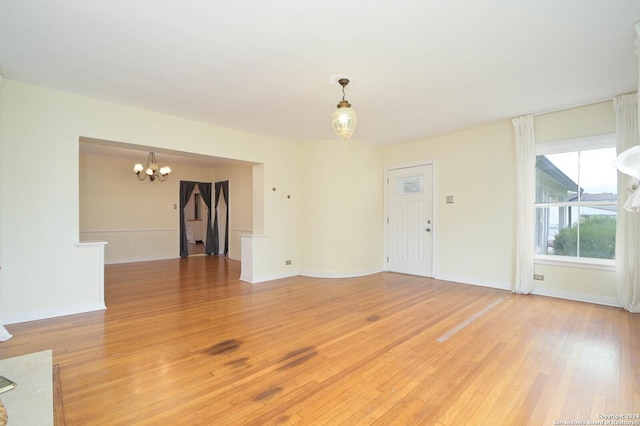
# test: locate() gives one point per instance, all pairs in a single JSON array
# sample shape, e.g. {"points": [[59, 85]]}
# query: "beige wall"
{"points": [[43, 272], [595, 285], [341, 208], [138, 219], [475, 234], [588, 120], [318, 204], [240, 203]]}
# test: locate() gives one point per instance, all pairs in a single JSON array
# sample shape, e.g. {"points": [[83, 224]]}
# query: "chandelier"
{"points": [[152, 170], [344, 119]]}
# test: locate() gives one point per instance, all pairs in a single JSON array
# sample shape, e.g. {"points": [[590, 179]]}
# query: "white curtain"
{"points": [[525, 197], [4, 334], [628, 221]]}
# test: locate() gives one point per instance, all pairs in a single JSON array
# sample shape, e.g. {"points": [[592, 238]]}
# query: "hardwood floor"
{"points": [[195, 248], [185, 342]]}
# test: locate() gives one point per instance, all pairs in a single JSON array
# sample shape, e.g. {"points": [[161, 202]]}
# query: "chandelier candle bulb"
{"points": [[152, 170]]}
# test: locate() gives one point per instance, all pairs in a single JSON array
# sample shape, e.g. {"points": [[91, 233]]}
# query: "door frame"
{"points": [[434, 195]]}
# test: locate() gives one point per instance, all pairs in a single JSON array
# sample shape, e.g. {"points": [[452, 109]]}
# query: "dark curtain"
{"points": [[221, 188], [225, 194], [205, 193], [186, 189]]}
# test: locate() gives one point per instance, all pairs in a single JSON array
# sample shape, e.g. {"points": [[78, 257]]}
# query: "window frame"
{"points": [[606, 140]]}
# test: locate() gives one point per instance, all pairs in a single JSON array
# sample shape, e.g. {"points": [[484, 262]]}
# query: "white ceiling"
{"points": [[418, 68]]}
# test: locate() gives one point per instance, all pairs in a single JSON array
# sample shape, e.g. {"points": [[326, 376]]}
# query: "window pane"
{"points": [[577, 183], [598, 232], [565, 231], [410, 184], [557, 230], [557, 177], [598, 178]]}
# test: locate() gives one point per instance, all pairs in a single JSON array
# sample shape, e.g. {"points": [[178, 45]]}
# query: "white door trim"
{"points": [[387, 169]]}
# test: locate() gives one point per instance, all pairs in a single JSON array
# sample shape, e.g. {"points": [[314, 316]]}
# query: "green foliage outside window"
{"points": [[597, 238]]}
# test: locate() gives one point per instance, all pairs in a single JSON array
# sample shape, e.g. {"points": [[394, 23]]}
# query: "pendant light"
{"points": [[344, 119]]}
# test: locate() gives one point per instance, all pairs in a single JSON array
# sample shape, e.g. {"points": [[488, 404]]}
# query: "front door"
{"points": [[410, 220]]}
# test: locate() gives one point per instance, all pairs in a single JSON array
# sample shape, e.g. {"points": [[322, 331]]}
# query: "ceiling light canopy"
{"points": [[152, 170], [344, 119]]}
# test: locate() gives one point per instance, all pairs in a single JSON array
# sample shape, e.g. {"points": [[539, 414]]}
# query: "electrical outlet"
{"points": [[287, 262], [538, 277]]}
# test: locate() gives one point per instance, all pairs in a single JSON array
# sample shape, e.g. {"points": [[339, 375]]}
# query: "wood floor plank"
{"points": [[58, 402], [185, 342]]}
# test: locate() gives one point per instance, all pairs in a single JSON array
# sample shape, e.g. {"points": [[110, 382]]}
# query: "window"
{"points": [[576, 200], [410, 184]]}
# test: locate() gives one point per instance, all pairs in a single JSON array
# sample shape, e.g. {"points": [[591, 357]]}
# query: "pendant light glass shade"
{"points": [[344, 119]]}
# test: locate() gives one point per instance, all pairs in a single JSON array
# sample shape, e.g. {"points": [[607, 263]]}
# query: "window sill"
{"points": [[572, 262]]}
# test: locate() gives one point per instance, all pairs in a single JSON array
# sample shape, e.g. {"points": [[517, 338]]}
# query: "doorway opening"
{"points": [[198, 233], [191, 207], [196, 214]]}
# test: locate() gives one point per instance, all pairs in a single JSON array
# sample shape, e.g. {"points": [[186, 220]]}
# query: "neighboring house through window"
{"points": [[576, 200]]}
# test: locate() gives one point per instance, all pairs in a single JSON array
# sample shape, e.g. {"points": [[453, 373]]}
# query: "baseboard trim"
{"points": [[548, 292], [340, 274], [311, 274], [474, 281], [60, 311], [137, 259], [578, 297], [268, 277]]}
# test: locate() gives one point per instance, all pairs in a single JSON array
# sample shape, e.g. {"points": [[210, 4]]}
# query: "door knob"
{"points": [[428, 229]]}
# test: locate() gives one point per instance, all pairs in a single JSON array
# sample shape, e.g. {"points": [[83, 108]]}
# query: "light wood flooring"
{"points": [[195, 248], [184, 342]]}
